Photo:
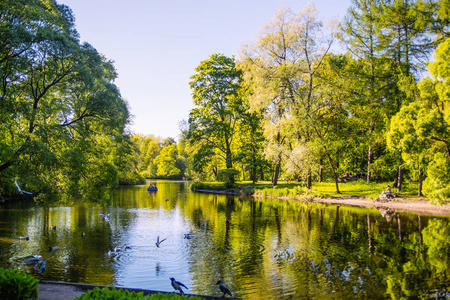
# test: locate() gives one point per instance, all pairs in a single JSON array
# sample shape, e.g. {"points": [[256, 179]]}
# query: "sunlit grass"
{"points": [[358, 188]]}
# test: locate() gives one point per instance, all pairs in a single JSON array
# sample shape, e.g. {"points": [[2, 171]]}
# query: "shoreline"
{"points": [[419, 206]]}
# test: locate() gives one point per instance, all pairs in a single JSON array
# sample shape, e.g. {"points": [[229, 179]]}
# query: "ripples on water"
{"points": [[262, 249]]}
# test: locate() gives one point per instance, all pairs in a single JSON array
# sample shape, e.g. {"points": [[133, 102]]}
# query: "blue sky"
{"points": [[156, 46]]}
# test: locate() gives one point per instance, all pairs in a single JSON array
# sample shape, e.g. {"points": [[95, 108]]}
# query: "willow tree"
{"points": [[218, 109]]}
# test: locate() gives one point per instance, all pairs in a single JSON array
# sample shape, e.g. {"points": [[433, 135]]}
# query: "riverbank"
{"points": [[54, 290], [413, 205]]}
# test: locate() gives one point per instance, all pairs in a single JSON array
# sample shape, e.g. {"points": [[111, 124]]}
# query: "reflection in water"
{"points": [[262, 248]]}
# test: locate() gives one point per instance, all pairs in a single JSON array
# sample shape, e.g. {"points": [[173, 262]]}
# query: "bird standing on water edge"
{"points": [[177, 285], [223, 288]]}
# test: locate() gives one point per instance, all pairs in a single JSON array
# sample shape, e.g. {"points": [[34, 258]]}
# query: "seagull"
{"points": [[177, 285], [106, 217], [125, 247], [20, 190], [42, 267], [23, 238], [223, 288], [158, 242], [32, 259], [112, 253], [53, 249]]}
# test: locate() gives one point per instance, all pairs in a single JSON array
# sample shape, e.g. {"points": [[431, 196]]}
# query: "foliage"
{"points": [[118, 294], [17, 285], [227, 176], [218, 109], [63, 118]]}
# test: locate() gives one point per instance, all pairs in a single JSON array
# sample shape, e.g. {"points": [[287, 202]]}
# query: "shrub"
{"points": [[227, 176], [121, 294], [17, 285]]}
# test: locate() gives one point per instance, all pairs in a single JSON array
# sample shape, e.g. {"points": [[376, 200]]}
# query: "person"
{"points": [[388, 192]]}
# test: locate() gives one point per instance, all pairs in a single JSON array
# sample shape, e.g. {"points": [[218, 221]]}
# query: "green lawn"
{"points": [[319, 190]]}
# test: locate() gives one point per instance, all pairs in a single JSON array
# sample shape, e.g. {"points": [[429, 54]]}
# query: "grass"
{"points": [[358, 188]]}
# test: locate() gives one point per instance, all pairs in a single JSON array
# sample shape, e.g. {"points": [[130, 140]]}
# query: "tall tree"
{"points": [[218, 108]]}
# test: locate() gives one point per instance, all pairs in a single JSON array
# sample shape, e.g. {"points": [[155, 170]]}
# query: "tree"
{"points": [[57, 99], [167, 162], [218, 108]]}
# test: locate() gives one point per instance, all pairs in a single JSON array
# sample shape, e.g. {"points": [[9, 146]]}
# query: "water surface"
{"points": [[262, 248]]}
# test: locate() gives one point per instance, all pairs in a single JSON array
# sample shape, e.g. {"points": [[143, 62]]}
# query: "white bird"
{"points": [[223, 288], [20, 190], [106, 217], [177, 285], [158, 242]]}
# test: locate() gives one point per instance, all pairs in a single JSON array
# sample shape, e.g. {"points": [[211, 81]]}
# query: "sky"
{"points": [[156, 46]]}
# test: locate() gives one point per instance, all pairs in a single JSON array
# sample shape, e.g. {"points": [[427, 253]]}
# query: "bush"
{"points": [[227, 176], [121, 294], [17, 285]]}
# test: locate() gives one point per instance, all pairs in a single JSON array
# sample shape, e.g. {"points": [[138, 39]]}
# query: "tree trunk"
{"points": [[420, 182], [275, 175], [399, 184], [320, 171], [308, 180], [333, 169], [369, 161]]}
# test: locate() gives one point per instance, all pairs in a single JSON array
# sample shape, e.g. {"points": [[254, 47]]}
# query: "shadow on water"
{"points": [[262, 248]]}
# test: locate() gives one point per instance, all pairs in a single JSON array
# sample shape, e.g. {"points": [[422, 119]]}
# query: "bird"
{"points": [[53, 249], [177, 285], [223, 288], [42, 267], [106, 217], [112, 253], [188, 235], [83, 234], [158, 242], [23, 238], [53, 227], [125, 247]]}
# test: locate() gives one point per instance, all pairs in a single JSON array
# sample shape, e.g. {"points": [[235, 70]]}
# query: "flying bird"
{"points": [[53, 249], [42, 267], [158, 242], [223, 288], [106, 217], [177, 285]]}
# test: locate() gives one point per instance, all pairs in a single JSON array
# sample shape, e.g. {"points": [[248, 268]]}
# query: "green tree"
{"points": [[218, 108], [167, 162]]}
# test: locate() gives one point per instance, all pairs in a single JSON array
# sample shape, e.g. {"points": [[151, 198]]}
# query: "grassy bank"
{"points": [[319, 190]]}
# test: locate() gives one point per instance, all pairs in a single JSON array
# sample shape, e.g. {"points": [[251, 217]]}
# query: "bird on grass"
{"points": [[177, 285], [223, 288], [158, 242]]}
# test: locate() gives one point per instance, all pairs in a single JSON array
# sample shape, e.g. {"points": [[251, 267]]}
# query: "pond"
{"points": [[261, 248]]}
